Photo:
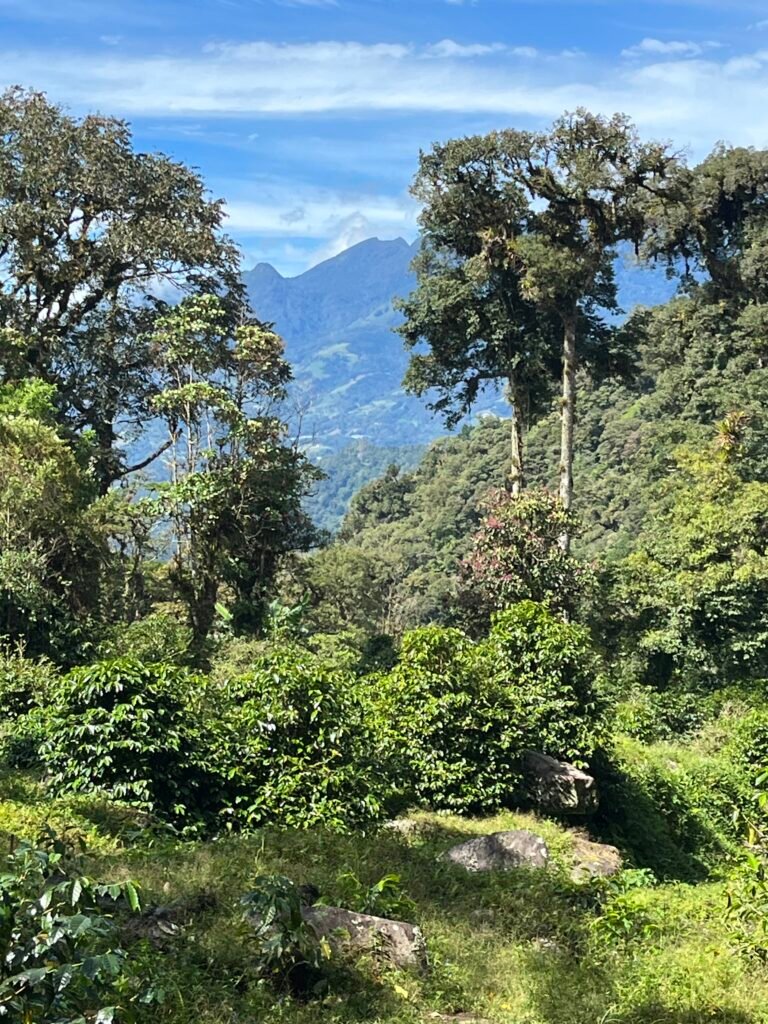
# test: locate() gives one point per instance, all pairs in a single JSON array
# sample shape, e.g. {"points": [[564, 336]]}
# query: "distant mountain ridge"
{"points": [[337, 320]]}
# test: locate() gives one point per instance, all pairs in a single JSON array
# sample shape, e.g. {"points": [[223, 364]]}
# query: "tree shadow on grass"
{"points": [[674, 843]]}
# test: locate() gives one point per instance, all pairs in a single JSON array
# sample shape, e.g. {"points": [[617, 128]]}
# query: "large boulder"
{"points": [[500, 851], [351, 934], [558, 787], [593, 860]]}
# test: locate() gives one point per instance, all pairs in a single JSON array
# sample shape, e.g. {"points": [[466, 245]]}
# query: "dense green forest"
{"points": [[497, 750]]}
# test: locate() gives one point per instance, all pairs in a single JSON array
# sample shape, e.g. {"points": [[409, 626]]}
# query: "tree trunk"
{"points": [[517, 462], [568, 415]]}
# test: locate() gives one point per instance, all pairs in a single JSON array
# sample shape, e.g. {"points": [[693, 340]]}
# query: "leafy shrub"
{"points": [[130, 731], [159, 637], [295, 747], [516, 556], [652, 716], [25, 687], [24, 683], [626, 913], [287, 949], [22, 738], [384, 898], [60, 960], [458, 715], [235, 656], [747, 742], [747, 906], [552, 670]]}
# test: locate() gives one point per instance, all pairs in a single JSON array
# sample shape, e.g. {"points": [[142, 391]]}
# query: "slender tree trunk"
{"points": [[568, 416], [517, 462]]}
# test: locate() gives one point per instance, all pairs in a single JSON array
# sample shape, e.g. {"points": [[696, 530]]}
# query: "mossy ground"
{"points": [[521, 948]]}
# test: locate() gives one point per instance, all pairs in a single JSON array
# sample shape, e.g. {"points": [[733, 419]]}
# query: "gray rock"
{"points": [[500, 852], [593, 860], [458, 1018], [402, 826], [351, 934], [559, 787]]}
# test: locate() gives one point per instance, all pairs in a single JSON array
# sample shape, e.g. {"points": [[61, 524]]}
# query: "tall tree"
{"points": [[717, 227], [468, 307], [53, 533], [234, 496], [91, 234], [587, 181]]}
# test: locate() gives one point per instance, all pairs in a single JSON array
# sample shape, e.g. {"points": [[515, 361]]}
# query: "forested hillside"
{"points": [[497, 751]]}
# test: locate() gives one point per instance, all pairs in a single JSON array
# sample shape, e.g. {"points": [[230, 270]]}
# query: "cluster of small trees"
{"points": [[143, 457], [305, 737]]}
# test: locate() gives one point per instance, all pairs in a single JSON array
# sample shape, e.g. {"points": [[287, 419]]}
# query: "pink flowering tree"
{"points": [[516, 556]]}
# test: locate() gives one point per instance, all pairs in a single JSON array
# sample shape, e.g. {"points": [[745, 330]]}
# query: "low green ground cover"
{"points": [[527, 947]]}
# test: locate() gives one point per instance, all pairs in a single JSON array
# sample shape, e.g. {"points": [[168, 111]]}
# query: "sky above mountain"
{"points": [[308, 115]]}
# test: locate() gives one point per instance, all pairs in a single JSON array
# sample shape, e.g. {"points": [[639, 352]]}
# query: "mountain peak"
{"points": [[265, 272]]}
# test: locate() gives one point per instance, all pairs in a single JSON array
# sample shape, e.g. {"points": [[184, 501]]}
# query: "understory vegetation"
{"points": [[215, 717]]}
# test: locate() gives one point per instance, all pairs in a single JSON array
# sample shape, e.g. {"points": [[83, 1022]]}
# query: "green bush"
{"points": [[647, 714], [25, 683], [159, 637], [294, 745], [25, 688], [132, 732], [671, 806], [60, 959], [552, 670], [747, 742], [458, 715]]}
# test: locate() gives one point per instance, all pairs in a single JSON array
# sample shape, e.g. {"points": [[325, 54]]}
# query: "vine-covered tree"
{"points": [[234, 496]]}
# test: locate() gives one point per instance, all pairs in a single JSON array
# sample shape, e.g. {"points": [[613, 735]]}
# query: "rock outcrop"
{"points": [[593, 860], [558, 787], [351, 934], [500, 851]]}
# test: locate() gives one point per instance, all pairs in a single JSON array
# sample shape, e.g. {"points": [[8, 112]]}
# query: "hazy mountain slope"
{"points": [[337, 320]]}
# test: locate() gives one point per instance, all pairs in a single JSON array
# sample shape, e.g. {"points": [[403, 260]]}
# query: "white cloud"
{"points": [[324, 223], [448, 48], [345, 233], [691, 101], [669, 48], [294, 210]]}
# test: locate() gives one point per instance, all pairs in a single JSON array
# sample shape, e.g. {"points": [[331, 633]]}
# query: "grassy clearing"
{"points": [[522, 948]]}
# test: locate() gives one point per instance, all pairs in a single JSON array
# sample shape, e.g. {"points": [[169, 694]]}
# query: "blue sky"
{"points": [[307, 115]]}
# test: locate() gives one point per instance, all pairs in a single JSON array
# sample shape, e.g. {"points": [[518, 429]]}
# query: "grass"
{"points": [[525, 947]]}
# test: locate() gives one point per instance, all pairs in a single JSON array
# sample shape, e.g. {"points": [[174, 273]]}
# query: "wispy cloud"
{"points": [[669, 48], [283, 209], [449, 48], [690, 97]]}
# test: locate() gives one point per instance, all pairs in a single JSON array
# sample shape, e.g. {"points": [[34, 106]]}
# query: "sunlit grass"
{"points": [[516, 948]]}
